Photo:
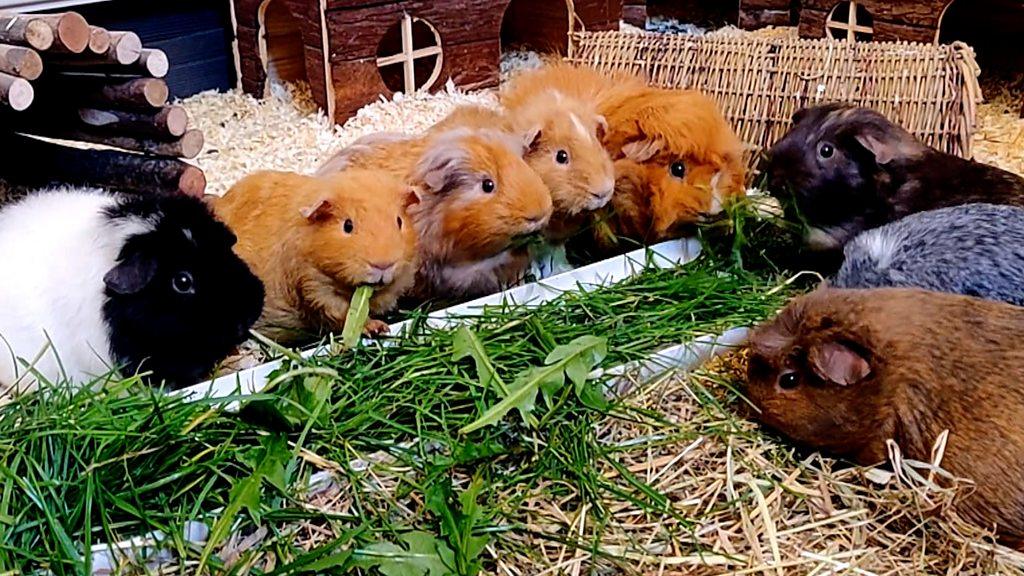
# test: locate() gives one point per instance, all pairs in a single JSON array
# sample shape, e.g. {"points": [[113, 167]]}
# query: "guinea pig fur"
{"points": [[140, 284], [564, 149], [973, 249], [477, 196], [676, 158], [845, 370], [313, 241], [847, 169]]}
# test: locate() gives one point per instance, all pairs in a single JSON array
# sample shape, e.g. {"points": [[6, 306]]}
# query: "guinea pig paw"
{"points": [[375, 328]]}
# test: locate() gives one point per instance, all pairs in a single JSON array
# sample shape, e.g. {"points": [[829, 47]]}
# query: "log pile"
{"points": [[66, 87]]}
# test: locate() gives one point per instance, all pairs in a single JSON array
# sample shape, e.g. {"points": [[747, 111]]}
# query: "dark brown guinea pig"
{"points": [[849, 169], [845, 370]]}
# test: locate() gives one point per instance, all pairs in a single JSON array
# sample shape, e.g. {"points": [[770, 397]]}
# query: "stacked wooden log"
{"points": [[66, 87]]}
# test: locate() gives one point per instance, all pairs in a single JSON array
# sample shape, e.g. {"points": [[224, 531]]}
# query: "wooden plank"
{"points": [[924, 13], [888, 31], [812, 23], [754, 19], [359, 30], [765, 5]]}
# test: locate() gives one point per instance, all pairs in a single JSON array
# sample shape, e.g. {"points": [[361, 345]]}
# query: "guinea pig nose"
{"points": [[382, 266]]}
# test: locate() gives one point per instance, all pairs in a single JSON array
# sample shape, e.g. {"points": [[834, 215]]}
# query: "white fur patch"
{"points": [[56, 247], [881, 247], [579, 125]]}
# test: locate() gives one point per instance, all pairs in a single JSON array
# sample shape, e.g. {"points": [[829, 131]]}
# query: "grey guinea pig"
{"points": [[843, 169], [974, 250]]}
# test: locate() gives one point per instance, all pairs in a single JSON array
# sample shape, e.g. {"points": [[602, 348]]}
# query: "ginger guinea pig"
{"points": [[848, 169], [845, 370], [676, 159], [565, 150], [313, 241], [477, 197]]}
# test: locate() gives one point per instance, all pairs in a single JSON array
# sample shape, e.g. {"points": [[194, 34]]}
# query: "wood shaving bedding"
{"points": [[287, 132]]}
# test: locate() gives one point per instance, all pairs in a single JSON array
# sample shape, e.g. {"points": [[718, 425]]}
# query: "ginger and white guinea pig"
{"points": [[848, 169], [313, 241], [845, 371], [477, 197], [564, 135], [677, 160], [98, 281]]}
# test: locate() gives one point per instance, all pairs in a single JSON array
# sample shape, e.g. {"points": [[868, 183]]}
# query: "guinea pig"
{"points": [[844, 169], [973, 249], [313, 241], [111, 282], [844, 371], [477, 197], [676, 159], [565, 150]]}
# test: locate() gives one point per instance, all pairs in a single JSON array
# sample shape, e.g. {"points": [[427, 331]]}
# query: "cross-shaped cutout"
{"points": [[410, 54], [836, 26]]}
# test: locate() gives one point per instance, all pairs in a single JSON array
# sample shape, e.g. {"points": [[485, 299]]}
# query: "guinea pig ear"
{"points": [[531, 139], [883, 151], [800, 114], [322, 210], [131, 275], [641, 150], [602, 127], [411, 197], [838, 363]]}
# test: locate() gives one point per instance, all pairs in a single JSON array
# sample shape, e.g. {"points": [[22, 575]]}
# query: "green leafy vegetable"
{"points": [[422, 555], [355, 320], [576, 358]]}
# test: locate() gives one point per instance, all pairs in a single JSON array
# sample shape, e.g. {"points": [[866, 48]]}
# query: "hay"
{"points": [[738, 502]]}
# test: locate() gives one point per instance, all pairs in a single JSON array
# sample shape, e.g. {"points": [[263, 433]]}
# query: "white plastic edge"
{"points": [[584, 278]]}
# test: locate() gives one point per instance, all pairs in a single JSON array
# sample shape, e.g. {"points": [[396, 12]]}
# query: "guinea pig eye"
{"points": [[487, 185], [826, 150], [789, 380], [183, 284], [399, 220], [562, 157], [678, 169], [348, 226]]}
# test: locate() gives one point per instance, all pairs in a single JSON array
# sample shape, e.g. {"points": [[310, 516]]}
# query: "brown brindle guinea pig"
{"points": [[845, 370], [313, 241], [849, 169], [565, 150], [478, 196], [676, 158]]}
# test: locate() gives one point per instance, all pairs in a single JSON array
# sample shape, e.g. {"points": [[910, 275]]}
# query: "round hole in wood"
{"points": [[850, 21], [410, 56]]}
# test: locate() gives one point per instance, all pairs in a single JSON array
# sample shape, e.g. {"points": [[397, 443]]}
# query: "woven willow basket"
{"points": [[932, 90]]}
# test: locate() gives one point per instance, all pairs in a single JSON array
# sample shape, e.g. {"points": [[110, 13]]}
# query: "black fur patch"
{"points": [[178, 337]]}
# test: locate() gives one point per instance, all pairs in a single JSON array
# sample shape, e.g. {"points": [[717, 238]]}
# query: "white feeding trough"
{"points": [[582, 279]]}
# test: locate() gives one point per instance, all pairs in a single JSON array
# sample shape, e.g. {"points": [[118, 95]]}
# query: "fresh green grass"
{"points": [[80, 468]]}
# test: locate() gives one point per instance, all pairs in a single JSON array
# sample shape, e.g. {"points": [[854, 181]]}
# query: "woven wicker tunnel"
{"points": [[759, 83]]}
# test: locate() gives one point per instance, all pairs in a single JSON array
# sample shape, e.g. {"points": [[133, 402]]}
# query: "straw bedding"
{"points": [[756, 505]]}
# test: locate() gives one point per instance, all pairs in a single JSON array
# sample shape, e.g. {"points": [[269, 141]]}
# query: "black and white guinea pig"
{"points": [[845, 169], [97, 282]]}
